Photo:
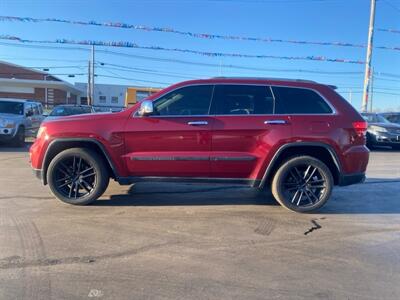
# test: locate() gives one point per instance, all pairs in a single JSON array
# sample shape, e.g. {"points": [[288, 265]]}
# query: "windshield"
{"points": [[375, 119], [70, 110], [10, 107]]}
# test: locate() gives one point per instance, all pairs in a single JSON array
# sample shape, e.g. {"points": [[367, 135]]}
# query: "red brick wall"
{"points": [[17, 95], [7, 71], [38, 95]]}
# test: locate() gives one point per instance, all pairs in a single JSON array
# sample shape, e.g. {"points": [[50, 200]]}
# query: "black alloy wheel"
{"points": [[77, 176], [302, 184]]}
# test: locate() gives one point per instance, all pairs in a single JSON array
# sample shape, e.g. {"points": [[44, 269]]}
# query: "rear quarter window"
{"points": [[299, 101]]}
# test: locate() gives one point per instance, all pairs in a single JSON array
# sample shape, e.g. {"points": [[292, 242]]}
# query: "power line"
{"points": [[179, 61], [133, 79], [124, 44], [392, 5]]}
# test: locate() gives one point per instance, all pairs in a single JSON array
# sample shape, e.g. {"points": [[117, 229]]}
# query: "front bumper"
{"points": [[7, 134], [384, 138], [38, 174], [349, 179]]}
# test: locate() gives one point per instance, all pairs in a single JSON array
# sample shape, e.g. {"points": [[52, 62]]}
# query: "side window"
{"points": [[35, 109], [40, 109], [299, 101], [187, 101], [28, 109], [242, 100]]}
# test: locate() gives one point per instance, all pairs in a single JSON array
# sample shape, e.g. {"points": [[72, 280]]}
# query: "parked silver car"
{"points": [[18, 119]]}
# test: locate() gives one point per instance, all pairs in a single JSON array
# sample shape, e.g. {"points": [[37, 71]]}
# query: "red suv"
{"points": [[298, 137]]}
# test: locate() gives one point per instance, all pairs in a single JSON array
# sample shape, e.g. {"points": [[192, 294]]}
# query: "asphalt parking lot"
{"points": [[163, 241]]}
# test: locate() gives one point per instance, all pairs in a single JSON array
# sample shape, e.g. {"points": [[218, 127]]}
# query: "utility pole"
{"points": [[372, 89], [92, 78], [88, 88], [367, 76]]}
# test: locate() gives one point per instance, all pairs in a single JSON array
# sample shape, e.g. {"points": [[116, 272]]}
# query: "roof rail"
{"points": [[265, 78]]}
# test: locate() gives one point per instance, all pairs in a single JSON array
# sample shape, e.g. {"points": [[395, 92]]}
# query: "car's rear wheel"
{"points": [[77, 176], [302, 184]]}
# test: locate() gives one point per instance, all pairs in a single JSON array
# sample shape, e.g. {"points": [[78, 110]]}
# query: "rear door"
{"points": [[245, 130], [176, 140], [313, 118]]}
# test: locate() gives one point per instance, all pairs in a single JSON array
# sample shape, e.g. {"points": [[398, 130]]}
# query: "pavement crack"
{"points": [[315, 227]]}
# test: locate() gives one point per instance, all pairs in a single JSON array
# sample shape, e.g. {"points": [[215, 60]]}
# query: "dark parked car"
{"points": [[381, 132], [393, 117], [69, 110], [298, 137]]}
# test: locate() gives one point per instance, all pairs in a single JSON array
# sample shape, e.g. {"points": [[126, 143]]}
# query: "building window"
{"points": [[141, 95], [84, 100], [102, 99], [114, 99]]}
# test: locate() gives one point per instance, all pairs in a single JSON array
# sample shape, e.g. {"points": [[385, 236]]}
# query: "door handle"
{"points": [[276, 122], [197, 123]]}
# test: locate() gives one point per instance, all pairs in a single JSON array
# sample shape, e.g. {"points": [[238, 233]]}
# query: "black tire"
{"points": [[302, 184], [74, 170], [19, 139]]}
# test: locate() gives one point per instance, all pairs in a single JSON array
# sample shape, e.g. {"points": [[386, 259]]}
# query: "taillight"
{"points": [[360, 127]]}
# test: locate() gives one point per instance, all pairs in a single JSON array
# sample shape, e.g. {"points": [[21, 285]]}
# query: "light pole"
{"points": [[45, 92], [367, 76]]}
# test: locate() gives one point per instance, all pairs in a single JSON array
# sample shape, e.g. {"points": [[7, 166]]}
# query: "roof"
{"points": [[73, 105], [29, 69], [18, 100], [264, 78], [41, 83]]}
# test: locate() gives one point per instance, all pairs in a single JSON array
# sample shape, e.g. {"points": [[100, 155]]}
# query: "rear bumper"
{"points": [[350, 179]]}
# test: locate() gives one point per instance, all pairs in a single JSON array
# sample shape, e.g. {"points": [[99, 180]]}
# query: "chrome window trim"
{"points": [[192, 158], [334, 111]]}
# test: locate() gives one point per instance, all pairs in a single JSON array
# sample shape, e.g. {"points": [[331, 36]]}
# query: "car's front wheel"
{"points": [[19, 139], [302, 184], [77, 176]]}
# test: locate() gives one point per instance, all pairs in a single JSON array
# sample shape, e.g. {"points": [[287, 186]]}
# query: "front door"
{"points": [[245, 130], [174, 141]]}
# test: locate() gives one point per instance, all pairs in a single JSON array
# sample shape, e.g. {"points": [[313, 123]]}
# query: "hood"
{"points": [[81, 117], [10, 116], [389, 126]]}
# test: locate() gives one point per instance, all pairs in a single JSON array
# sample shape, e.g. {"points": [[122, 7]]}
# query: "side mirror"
{"points": [[29, 113], [146, 108]]}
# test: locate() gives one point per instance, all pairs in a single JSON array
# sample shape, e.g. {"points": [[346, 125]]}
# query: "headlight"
{"points": [[378, 128], [7, 123], [41, 130]]}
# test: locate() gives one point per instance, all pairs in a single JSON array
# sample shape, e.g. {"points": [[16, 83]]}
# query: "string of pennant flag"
{"points": [[190, 34], [124, 44]]}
